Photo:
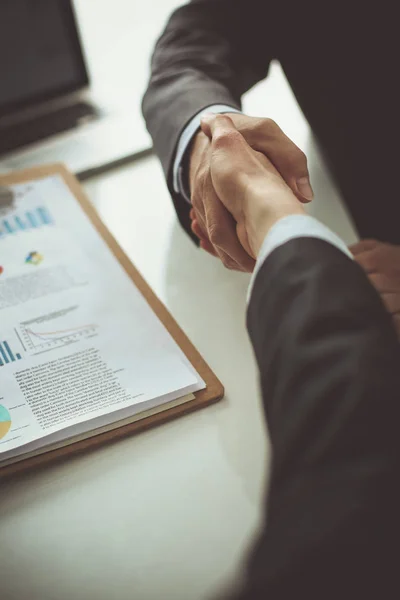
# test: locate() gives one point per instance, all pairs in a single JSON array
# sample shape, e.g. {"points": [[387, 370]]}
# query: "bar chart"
{"points": [[31, 219], [7, 355]]}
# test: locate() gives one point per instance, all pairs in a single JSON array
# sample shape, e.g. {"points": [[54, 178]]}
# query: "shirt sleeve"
{"points": [[288, 228], [179, 177]]}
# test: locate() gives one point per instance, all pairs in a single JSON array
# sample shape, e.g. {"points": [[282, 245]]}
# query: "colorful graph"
{"points": [[5, 421], [34, 258], [31, 219], [7, 355]]}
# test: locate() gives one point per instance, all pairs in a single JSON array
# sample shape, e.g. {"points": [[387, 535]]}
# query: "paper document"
{"points": [[78, 342]]}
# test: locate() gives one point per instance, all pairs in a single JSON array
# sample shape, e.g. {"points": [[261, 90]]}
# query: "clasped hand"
{"points": [[250, 191], [211, 221]]}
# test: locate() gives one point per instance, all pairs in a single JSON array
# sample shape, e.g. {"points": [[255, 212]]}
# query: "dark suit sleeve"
{"points": [[329, 366], [210, 52]]}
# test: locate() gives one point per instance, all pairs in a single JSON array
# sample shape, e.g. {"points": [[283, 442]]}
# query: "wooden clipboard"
{"points": [[214, 390]]}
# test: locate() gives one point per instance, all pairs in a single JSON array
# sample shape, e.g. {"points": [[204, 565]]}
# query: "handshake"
{"points": [[237, 193]]}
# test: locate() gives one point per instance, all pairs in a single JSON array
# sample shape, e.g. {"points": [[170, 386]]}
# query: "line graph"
{"points": [[55, 329], [61, 334]]}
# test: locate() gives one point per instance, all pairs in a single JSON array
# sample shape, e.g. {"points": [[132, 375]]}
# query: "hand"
{"points": [[246, 183], [211, 222], [381, 262]]}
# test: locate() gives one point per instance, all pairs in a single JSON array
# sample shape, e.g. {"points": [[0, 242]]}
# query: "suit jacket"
{"points": [[329, 364], [341, 59]]}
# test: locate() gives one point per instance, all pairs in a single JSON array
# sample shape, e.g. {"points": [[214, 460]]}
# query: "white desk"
{"points": [[167, 514]]}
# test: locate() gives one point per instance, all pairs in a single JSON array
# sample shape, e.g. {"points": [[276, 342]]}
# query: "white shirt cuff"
{"points": [[289, 228], [185, 139]]}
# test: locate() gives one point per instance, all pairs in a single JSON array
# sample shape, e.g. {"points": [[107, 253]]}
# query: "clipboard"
{"points": [[213, 391]]}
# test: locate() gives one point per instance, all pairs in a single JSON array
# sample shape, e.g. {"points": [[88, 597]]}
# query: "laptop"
{"points": [[47, 110]]}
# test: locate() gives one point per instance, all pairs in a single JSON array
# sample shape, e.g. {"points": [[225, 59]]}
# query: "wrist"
{"points": [[261, 216]]}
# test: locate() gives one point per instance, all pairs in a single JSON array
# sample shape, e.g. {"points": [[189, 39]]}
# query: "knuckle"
{"points": [[226, 139], [229, 263], [198, 188], [220, 118], [270, 126], [215, 234]]}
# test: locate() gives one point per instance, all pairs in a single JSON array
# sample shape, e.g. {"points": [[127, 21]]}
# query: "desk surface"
{"points": [[168, 513]]}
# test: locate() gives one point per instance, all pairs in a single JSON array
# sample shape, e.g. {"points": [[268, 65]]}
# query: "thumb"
{"points": [[226, 139], [214, 125], [288, 159], [230, 153], [232, 161]]}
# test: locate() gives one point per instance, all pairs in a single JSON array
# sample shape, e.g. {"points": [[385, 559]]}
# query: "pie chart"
{"points": [[5, 421]]}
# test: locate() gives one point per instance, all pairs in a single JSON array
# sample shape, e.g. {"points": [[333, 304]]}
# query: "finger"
{"points": [[363, 246], [201, 225], [216, 126], [205, 199], [289, 160], [205, 124], [204, 241], [392, 302], [232, 162], [222, 131], [384, 283], [368, 261], [197, 230], [235, 162], [208, 247], [267, 137], [229, 262], [221, 229], [396, 323]]}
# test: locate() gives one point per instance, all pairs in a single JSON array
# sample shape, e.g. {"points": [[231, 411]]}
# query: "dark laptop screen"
{"points": [[40, 55]]}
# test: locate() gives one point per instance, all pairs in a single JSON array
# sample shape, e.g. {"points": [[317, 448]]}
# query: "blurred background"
{"points": [[118, 36], [73, 76], [59, 56]]}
